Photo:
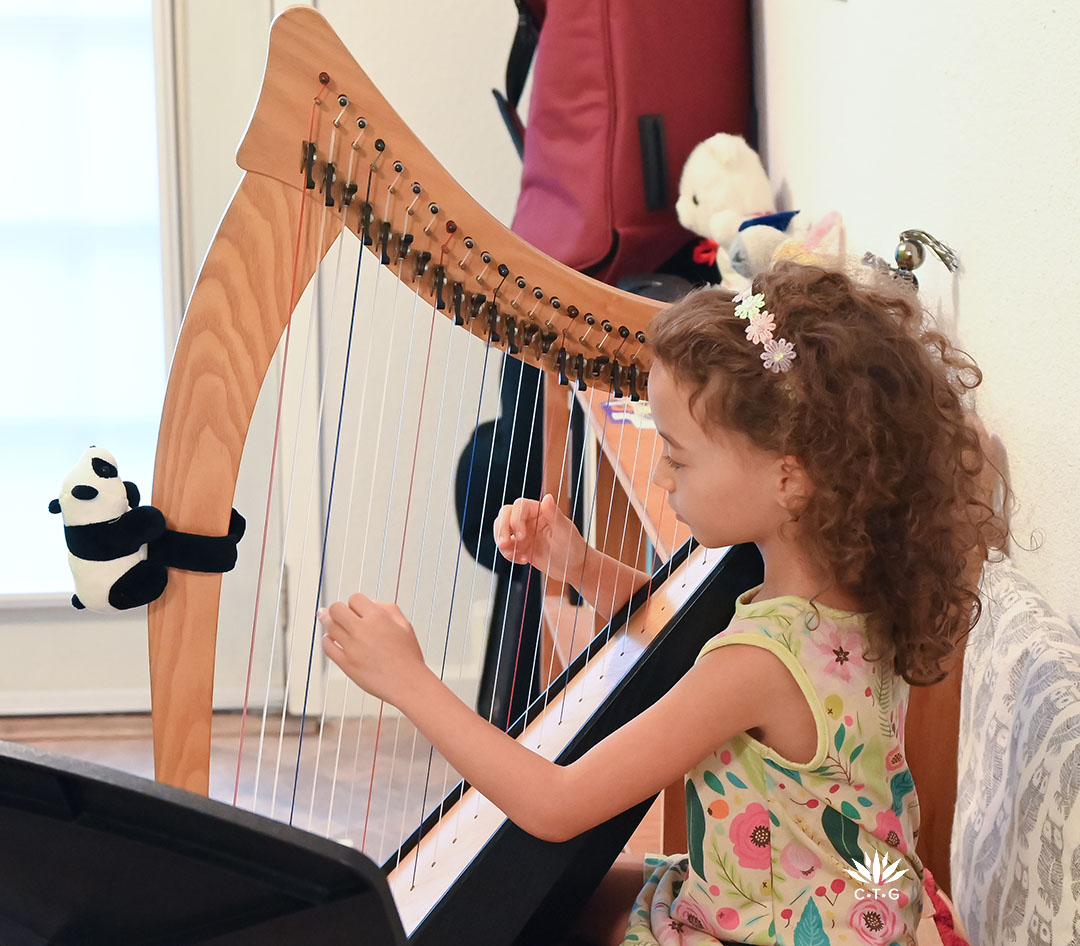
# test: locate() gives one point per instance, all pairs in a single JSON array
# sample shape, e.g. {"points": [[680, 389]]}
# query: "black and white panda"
{"points": [[119, 551]]}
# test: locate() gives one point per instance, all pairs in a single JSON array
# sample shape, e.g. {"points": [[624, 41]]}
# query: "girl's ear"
{"points": [[794, 483]]}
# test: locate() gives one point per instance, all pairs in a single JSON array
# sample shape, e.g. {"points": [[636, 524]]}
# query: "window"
{"points": [[82, 324]]}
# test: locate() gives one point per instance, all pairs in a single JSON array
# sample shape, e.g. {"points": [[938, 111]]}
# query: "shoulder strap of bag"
{"points": [[517, 69]]}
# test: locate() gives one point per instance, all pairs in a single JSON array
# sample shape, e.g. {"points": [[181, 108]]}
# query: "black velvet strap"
{"points": [[104, 541], [199, 553]]}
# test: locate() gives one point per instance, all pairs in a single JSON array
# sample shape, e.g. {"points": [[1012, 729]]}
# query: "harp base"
{"points": [[91, 855]]}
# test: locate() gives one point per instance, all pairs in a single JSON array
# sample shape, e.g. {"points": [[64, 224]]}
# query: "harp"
{"points": [[328, 162]]}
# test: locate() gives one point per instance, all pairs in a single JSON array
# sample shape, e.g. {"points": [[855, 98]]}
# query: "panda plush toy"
{"points": [[119, 551]]}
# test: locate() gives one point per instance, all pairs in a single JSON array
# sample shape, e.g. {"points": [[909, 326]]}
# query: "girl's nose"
{"points": [[661, 477]]}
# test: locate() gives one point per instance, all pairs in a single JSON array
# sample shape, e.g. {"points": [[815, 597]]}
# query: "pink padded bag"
{"points": [[622, 91]]}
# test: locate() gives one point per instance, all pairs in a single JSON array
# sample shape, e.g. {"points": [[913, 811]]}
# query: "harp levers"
{"points": [[326, 156]]}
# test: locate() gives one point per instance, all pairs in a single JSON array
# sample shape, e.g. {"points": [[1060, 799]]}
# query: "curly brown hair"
{"points": [[873, 410]]}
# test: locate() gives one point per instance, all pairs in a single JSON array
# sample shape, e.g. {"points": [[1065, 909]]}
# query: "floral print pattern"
{"points": [[749, 834], [876, 921], [772, 841]]}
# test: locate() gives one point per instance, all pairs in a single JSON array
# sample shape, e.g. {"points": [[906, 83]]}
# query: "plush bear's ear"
{"points": [[54, 506], [132, 494]]}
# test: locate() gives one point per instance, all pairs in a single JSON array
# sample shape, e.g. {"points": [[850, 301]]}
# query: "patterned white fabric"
{"points": [[1015, 853]]}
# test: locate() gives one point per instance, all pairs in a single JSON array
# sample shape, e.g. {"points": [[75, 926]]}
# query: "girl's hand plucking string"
{"points": [[541, 535], [374, 645]]}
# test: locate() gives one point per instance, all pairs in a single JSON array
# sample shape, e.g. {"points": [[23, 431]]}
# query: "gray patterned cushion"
{"points": [[1015, 853]]}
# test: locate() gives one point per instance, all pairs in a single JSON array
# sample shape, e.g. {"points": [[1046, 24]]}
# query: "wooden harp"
{"points": [[325, 154]]}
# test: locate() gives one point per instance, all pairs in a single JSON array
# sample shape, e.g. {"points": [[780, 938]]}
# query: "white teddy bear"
{"points": [[723, 183]]}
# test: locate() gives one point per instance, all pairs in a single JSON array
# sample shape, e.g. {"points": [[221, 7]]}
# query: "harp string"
{"points": [[364, 387], [611, 509], [336, 769], [591, 508], [404, 535], [455, 583], [363, 564], [513, 564], [297, 243], [622, 540], [291, 492], [326, 525], [325, 531], [303, 556], [288, 510], [339, 592], [461, 537], [397, 446], [330, 669], [412, 751], [367, 518], [577, 494], [483, 527], [310, 354], [547, 571], [438, 567]]}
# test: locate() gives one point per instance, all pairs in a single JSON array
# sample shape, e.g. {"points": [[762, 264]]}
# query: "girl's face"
{"points": [[720, 484]]}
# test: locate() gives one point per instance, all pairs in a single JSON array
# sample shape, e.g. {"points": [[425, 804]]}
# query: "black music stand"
{"points": [[92, 856]]}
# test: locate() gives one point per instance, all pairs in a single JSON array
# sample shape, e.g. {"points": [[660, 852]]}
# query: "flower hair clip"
{"points": [[779, 353]]}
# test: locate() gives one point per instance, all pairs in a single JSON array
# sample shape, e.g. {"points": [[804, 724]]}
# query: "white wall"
{"points": [[958, 117]]}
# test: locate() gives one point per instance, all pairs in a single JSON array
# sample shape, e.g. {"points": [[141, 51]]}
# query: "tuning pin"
{"points": [[399, 169], [440, 283], [477, 300], [307, 164], [367, 216], [457, 297], [579, 369], [384, 243], [380, 149], [616, 386], [486, 259], [469, 244], [433, 209], [493, 322], [328, 184]]}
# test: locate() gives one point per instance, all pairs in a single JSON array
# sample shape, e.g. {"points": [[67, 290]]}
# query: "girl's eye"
{"points": [[673, 464]]}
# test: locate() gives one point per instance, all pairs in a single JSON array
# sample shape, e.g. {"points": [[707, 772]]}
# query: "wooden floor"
{"points": [[330, 799]]}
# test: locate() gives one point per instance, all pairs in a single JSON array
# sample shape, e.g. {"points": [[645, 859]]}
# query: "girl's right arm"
{"points": [[539, 534]]}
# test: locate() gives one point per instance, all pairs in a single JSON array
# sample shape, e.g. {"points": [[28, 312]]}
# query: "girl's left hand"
{"points": [[374, 645]]}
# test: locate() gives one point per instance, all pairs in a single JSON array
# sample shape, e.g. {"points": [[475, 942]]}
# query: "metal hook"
{"points": [[909, 253]]}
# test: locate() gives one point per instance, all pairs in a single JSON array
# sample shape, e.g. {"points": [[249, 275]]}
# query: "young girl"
{"points": [[819, 419]]}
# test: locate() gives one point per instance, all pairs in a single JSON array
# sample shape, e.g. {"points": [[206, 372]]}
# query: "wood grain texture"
{"points": [[931, 743], [234, 321]]}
